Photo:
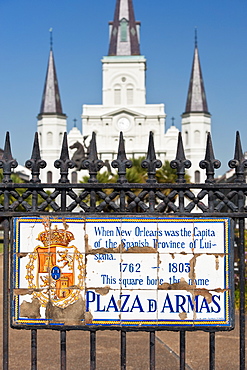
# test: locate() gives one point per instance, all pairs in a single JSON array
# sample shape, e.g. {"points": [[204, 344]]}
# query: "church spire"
{"points": [[196, 99], [51, 101], [124, 38]]}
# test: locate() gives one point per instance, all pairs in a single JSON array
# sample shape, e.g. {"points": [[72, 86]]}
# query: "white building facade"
{"points": [[124, 107]]}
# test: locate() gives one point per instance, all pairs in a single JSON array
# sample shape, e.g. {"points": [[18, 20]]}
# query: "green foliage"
{"points": [[17, 180], [137, 174], [236, 276], [237, 297], [166, 174], [21, 193], [102, 177]]}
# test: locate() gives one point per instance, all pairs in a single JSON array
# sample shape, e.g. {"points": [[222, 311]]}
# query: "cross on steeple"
{"points": [[195, 37], [75, 120], [51, 38]]}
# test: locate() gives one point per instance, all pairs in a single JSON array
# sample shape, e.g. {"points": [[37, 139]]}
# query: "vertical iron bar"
{"points": [[122, 200], [34, 200], [123, 350], [181, 201], [182, 350], [6, 295], [63, 200], [242, 293], [63, 349], [92, 201], [211, 203], [92, 350], [34, 349], [151, 200], [152, 350], [212, 351]]}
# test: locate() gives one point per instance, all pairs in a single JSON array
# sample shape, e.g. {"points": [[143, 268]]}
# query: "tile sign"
{"points": [[132, 271]]}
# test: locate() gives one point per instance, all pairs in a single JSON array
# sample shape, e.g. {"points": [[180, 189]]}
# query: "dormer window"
{"points": [[123, 29]]}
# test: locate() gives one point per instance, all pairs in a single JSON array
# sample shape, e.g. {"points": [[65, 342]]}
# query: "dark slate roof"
{"points": [[196, 99], [51, 101], [124, 11]]}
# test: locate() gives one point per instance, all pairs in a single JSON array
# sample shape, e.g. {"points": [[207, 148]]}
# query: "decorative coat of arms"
{"points": [[55, 270]]}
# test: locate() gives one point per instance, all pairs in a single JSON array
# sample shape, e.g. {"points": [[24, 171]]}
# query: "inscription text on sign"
{"points": [[133, 272]]}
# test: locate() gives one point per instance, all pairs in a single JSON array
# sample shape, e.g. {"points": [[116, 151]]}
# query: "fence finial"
{"points": [[180, 163], [121, 162], [239, 162], [92, 163], [210, 163], [35, 163], [151, 163], [7, 162], [64, 163]]}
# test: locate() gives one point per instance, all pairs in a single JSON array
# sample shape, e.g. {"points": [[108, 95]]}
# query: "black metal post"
{"points": [[182, 350], [212, 351], [92, 350], [123, 350], [152, 350], [33, 349], [6, 295], [63, 349], [242, 292]]}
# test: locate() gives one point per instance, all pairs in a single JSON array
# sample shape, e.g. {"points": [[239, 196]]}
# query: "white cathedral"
{"points": [[124, 107]]}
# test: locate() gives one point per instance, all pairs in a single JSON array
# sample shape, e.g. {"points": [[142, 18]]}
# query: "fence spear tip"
{"points": [[7, 154], [180, 149], [36, 150], [65, 151], [238, 155]]}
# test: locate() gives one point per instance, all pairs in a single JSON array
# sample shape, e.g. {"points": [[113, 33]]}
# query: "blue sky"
{"points": [[80, 34]]}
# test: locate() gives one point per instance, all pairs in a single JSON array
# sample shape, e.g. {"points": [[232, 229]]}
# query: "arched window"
{"points": [[197, 177], [130, 95], [186, 138], [49, 177], [60, 138], [123, 28], [49, 138], [74, 177], [40, 139], [197, 137], [117, 96]]}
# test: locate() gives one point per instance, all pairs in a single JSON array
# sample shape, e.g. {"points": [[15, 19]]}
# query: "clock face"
{"points": [[123, 124]]}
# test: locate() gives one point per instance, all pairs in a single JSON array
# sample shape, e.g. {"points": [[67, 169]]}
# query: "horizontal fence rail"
{"points": [[212, 199]]}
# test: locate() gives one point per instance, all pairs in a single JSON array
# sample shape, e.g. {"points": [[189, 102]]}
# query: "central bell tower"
{"points": [[124, 105], [124, 67]]}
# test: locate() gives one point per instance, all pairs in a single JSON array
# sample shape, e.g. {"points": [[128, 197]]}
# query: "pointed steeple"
{"points": [[51, 101], [124, 38], [196, 99]]}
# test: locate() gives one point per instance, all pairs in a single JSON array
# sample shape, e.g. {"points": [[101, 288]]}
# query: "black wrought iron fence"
{"points": [[209, 199]]}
